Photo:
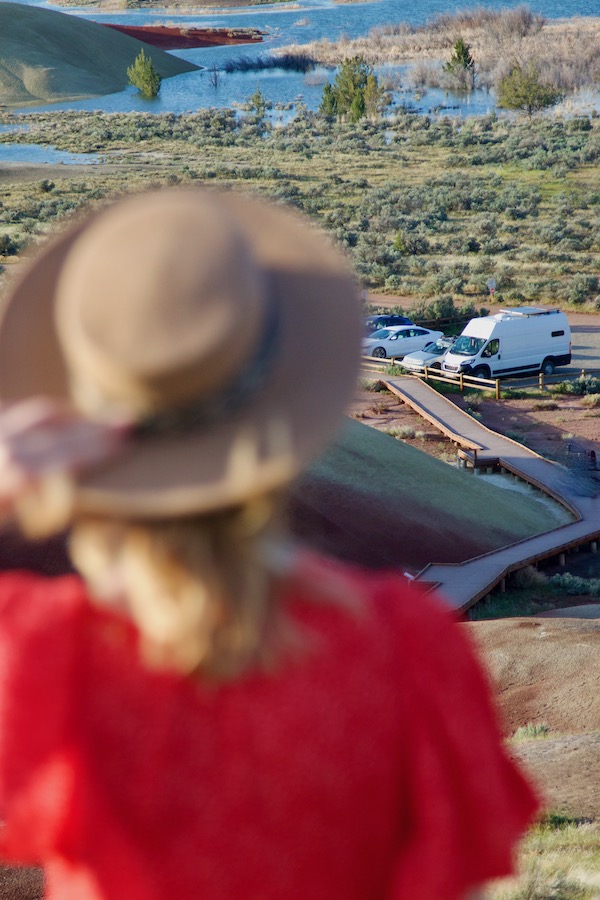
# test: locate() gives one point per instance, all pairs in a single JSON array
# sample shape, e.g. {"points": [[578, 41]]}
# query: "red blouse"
{"points": [[370, 767]]}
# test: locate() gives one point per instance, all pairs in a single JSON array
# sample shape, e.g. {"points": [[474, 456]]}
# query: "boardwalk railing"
{"points": [[463, 381], [375, 364]]}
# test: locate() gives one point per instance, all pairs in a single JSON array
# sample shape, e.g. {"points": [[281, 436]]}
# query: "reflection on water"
{"points": [[297, 22]]}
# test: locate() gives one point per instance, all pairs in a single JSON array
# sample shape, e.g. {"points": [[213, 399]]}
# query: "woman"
{"points": [[213, 712]]}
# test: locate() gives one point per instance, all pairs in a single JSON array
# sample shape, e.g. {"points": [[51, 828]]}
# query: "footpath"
{"points": [[463, 584]]}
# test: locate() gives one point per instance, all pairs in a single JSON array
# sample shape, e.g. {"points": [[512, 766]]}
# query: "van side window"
{"points": [[557, 333], [491, 349]]}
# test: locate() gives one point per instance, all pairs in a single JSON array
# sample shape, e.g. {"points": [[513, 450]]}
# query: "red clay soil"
{"points": [[547, 671], [173, 38]]}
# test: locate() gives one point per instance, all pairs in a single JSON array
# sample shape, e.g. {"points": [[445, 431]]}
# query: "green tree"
{"points": [[375, 96], [461, 66], [258, 103], [523, 89], [329, 105], [355, 91], [144, 76]]}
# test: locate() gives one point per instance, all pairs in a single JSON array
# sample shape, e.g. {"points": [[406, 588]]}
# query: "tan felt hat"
{"points": [[229, 328]]}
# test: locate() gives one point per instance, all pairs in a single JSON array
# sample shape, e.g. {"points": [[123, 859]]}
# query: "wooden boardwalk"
{"points": [[463, 584]]}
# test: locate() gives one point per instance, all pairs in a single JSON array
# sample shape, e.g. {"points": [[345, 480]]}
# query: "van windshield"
{"points": [[467, 346]]}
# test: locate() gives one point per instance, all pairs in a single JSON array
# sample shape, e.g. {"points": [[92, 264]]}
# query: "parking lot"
{"points": [[585, 331]]}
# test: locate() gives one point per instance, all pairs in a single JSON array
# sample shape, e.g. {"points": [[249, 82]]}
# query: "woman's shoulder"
{"points": [[379, 611]]}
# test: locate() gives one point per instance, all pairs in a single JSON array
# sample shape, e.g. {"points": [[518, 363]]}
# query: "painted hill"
{"points": [[48, 56], [378, 502]]}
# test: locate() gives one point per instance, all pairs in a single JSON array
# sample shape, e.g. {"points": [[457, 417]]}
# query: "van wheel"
{"points": [[481, 372], [548, 367], [379, 352]]}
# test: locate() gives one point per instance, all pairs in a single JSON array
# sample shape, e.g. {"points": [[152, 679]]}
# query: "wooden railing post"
{"points": [[541, 381], [497, 388], [461, 381]]}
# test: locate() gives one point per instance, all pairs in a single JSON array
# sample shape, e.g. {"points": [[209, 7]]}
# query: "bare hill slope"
{"points": [[547, 671], [378, 502], [47, 56]]}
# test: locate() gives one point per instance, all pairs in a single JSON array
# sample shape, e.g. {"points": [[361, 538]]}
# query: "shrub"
{"points": [[373, 385], [460, 68], [531, 730], [582, 288], [8, 245], [523, 89], [574, 585], [588, 384], [144, 76], [403, 432], [591, 400], [529, 577], [542, 405], [355, 92]]}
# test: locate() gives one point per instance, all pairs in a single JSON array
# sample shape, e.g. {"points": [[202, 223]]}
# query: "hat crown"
{"points": [[159, 302]]}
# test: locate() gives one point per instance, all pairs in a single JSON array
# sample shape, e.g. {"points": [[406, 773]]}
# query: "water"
{"points": [[299, 22], [39, 154]]}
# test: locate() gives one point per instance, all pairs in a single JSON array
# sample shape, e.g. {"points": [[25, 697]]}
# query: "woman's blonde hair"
{"points": [[201, 590]]}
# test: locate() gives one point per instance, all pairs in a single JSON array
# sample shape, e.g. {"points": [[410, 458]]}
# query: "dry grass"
{"points": [[559, 860], [568, 51]]}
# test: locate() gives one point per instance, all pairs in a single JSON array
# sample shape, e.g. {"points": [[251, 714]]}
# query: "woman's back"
{"points": [[365, 766]]}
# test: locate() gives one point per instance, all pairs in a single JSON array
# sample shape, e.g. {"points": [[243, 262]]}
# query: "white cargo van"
{"points": [[519, 341]]}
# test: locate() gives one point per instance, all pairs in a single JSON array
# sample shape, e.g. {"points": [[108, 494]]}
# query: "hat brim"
{"points": [[287, 422]]}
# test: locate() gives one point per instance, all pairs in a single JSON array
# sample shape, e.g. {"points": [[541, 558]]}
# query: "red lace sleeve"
{"points": [[39, 620], [467, 801]]}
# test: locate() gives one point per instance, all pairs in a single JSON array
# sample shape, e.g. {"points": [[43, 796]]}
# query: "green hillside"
{"points": [[47, 56], [377, 501]]}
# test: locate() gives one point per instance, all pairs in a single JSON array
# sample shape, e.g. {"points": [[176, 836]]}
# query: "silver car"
{"points": [[398, 341], [431, 355]]}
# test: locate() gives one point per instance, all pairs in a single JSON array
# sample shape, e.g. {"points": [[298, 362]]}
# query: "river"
{"points": [[297, 22]]}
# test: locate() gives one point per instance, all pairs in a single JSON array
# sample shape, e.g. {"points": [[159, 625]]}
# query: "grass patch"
{"points": [[591, 400], [531, 731], [559, 859], [373, 385], [402, 432], [517, 436], [545, 405], [378, 409]]}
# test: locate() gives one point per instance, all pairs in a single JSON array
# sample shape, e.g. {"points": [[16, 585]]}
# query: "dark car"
{"points": [[374, 323]]}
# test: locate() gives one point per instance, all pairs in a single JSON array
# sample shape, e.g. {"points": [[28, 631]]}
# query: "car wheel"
{"points": [[548, 367], [380, 353], [435, 366], [481, 372]]}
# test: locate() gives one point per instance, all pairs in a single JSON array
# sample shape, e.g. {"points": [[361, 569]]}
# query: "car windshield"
{"points": [[380, 334], [467, 346], [436, 347]]}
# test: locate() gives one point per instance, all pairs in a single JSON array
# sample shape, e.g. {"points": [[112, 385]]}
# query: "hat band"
{"points": [[220, 405]]}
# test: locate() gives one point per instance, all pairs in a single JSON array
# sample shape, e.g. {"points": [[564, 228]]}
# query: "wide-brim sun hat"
{"points": [[228, 329]]}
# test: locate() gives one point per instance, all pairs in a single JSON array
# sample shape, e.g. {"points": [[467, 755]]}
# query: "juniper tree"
{"points": [[355, 92], [144, 76], [461, 66], [523, 89]]}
